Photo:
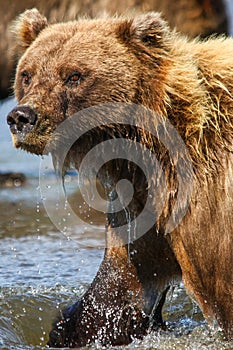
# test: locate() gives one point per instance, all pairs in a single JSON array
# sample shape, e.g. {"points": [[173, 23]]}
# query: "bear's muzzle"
{"points": [[21, 119]]}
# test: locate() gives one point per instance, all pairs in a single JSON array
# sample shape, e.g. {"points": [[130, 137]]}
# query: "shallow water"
{"points": [[42, 270]]}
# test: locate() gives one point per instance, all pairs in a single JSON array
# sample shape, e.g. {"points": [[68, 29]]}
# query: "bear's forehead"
{"points": [[87, 33], [74, 40], [83, 44]]}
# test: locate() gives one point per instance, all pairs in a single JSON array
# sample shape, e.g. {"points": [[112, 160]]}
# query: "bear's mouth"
{"points": [[19, 134], [27, 142], [29, 139]]}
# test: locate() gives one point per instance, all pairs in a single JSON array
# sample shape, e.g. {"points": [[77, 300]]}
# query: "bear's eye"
{"points": [[73, 78], [26, 78]]}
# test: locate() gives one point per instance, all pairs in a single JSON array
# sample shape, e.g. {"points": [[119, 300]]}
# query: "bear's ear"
{"points": [[28, 25], [149, 29]]}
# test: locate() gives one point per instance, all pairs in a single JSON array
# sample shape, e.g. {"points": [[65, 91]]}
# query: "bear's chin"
{"points": [[29, 144]]}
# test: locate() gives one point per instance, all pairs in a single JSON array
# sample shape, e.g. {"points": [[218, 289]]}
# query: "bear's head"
{"points": [[67, 67]]}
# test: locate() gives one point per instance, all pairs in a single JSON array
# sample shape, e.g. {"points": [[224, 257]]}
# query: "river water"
{"points": [[42, 270]]}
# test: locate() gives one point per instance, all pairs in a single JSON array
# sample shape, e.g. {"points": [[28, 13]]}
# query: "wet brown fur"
{"points": [[191, 84]]}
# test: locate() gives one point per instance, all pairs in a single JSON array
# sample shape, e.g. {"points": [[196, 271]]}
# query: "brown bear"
{"points": [[69, 67], [192, 17]]}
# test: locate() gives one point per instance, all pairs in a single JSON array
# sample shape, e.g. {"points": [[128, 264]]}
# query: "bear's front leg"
{"points": [[126, 297], [110, 312]]}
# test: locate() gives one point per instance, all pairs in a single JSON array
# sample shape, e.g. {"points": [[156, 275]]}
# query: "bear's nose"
{"points": [[21, 118]]}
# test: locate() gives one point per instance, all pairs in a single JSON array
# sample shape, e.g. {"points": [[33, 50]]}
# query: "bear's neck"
{"points": [[199, 95]]}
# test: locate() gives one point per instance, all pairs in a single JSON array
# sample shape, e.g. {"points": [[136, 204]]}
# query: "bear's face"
{"points": [[71, 66]]}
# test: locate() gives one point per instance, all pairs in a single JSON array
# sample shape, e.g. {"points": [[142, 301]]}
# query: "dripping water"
{"points": [[128, 221]]}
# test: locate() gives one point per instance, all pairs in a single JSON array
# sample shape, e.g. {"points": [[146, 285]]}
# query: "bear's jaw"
{"points": [[18, 136], [20, 141], [28, 141]]}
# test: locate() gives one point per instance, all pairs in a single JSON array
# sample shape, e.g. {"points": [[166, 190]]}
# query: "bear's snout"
{"points": [[21, 119]]}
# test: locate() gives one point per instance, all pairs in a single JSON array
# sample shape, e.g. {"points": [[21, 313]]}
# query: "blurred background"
{"points": [[41, 269]]}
